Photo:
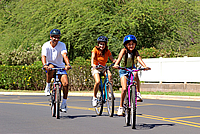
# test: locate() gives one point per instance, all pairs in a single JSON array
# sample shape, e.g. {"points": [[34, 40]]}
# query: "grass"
{"points": [[172, 93], [143, 93]]}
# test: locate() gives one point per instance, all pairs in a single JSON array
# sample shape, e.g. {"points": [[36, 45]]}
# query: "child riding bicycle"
{"points": [[53, 53], [126, 59], [100, 54]]}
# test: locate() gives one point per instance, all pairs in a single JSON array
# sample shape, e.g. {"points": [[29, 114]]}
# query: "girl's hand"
{"points": [[147, 68], [116, 66], [114, 60], [93, 66]]}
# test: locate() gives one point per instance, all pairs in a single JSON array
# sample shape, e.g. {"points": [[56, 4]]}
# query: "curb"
{"points": [[158, 97]]}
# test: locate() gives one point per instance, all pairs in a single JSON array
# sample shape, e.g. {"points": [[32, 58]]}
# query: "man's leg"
{"points": [[64, 81], [49, 76]]}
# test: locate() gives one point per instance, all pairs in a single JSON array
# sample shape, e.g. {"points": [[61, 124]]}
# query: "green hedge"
{"points": [[33, 78]]}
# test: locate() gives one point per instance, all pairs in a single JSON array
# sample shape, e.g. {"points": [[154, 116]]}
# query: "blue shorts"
{"points": [[59, 71], [124, 72]]}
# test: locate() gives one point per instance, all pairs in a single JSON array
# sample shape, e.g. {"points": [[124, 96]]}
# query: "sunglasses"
{"points": [[55, 37], [102, 44]]}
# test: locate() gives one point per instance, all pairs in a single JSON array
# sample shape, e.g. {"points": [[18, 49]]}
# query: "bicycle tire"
{"points": [[110, 101], [53, 105], [127, 111], [57, 102], [133, 106], [99, 107]]}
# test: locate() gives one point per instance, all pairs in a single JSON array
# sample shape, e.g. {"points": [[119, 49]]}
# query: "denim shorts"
{"points": [[59, 71], [124, 72]]}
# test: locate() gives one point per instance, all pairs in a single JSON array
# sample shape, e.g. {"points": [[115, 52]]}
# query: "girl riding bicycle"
{"points": [[126, 59], [100, 54]]}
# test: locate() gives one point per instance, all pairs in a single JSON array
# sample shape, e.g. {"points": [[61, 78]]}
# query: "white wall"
{"points": [[184, 69]]}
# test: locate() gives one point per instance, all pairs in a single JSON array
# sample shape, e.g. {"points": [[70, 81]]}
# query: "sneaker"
{"points": [[64, 107], [120, 111], [111, 95], [94, 102], [139, 97], [47, 91]]}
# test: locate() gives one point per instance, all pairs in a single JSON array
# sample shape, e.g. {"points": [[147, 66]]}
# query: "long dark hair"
{"points": [[133, 53], [104, 50]]}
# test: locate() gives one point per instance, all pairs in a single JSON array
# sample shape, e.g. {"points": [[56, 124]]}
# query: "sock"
{"points": [[48, 84], [64, 101]]}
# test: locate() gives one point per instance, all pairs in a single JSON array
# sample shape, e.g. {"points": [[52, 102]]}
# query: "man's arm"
{"points": [[66, 59], [43, 60]]}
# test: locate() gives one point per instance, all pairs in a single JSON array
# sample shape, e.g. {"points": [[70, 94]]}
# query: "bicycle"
{"points": [[130, 101], [55, 94], [103, 93]]}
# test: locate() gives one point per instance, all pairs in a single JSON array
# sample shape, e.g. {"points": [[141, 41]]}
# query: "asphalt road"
{"points": [[31, 114]]}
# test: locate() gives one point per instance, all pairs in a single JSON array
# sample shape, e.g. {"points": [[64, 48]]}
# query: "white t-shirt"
{"points": [[54, 55]]}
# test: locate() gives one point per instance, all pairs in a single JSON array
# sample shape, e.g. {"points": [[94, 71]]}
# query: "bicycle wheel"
{"points": [[127, 111], [53, 105], [133, 106], [99, 107], [57, 102], [110, 100]]}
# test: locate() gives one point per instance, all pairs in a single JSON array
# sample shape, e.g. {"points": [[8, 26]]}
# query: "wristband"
{"points": [[45, 65]]}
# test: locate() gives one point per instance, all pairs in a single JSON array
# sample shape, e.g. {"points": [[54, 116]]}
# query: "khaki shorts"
{"points": [[95, 71]]}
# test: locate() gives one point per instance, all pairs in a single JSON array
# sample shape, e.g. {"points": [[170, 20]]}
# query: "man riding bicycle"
{"points": [[53, 53]]}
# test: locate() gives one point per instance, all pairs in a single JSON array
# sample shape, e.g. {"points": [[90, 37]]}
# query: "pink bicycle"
{"points": [[130, 101]]}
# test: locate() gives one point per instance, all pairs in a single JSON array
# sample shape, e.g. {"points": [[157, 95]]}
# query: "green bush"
{"points": [[156, 53], [22, 77], [32, 77]]}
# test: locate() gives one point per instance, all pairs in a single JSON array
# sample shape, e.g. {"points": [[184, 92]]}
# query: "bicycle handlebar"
{"points": [[106, 67], [134, 70], [56, 68]]}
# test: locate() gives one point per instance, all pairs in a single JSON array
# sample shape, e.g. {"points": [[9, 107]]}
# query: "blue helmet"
{"points": [[129, 38], [55, 32], [102, 39]]}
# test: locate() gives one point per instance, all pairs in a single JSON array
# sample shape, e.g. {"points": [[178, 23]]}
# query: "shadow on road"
{"points": [[79, 116], [149, 126]]}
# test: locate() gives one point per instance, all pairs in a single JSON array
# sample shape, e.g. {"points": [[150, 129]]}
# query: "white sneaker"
{"points": [[120, 111], [139, 97], [94, 102], [47, 91], [64, 107]]}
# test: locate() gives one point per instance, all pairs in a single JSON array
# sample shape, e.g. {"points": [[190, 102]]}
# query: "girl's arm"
{"points": [[112, 59], [92, 59], [122, 52], [142, 63]]}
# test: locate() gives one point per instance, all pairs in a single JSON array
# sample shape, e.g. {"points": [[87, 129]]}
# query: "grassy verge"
{"points": [[172, 93], [143, 93]]}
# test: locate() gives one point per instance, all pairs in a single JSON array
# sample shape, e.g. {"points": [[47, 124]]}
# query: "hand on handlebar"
{"points": [[46, 67], [67, 67], [116, 66], [147, 68]]}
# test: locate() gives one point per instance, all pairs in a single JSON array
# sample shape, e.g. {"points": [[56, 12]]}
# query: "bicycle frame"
{"points": [[102, 85], [131, 82], [56, 94], [56, 82], [105, 87], [132, 102]]}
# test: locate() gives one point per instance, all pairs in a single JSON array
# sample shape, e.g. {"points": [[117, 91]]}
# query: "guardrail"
{"points": [[184, 69]]}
